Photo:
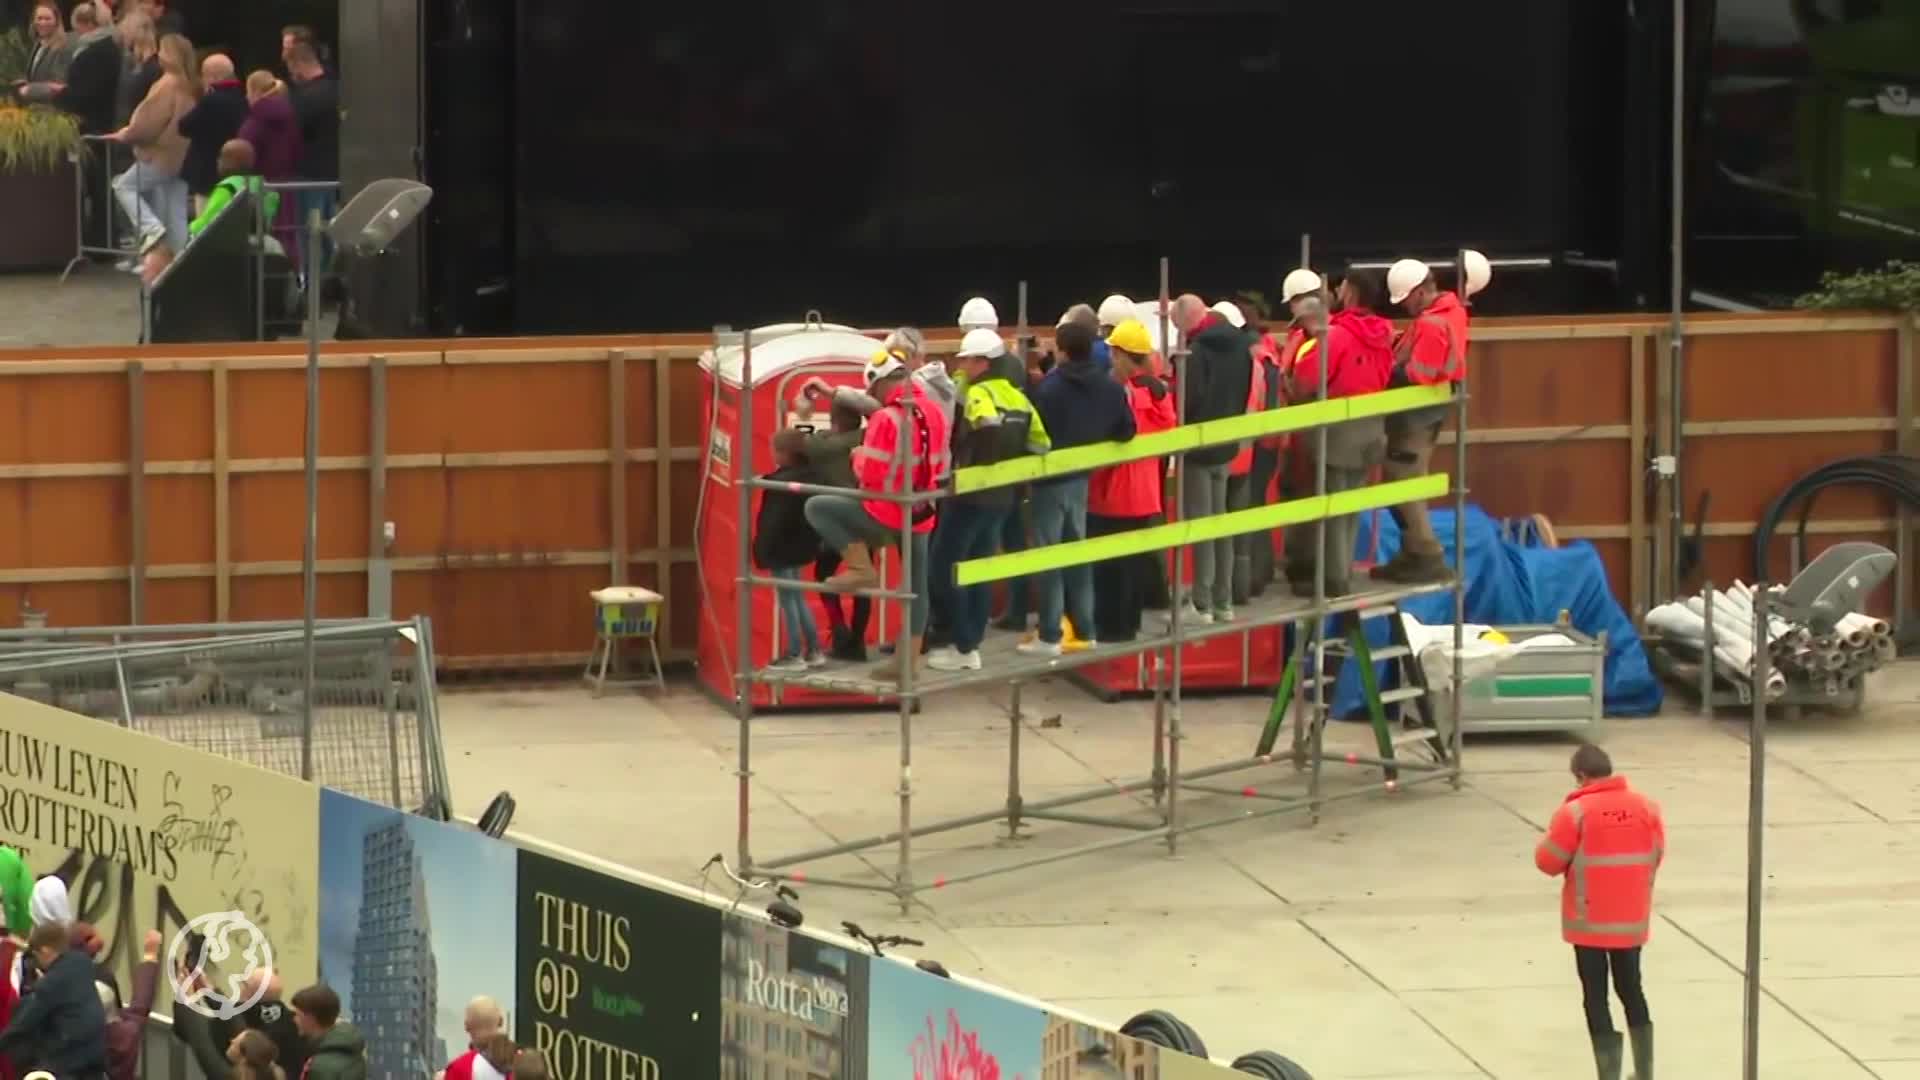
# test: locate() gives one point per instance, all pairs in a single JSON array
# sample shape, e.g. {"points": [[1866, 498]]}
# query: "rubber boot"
{"points": [[1606, 1055], [856, 570], [1408, 568], [1642, 1051]]}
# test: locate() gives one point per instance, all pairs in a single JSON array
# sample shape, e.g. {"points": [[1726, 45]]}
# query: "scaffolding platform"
{"points": [[1002, 662]]}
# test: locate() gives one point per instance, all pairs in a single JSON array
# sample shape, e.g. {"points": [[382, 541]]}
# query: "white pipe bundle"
{"points": [[1858, 644]]}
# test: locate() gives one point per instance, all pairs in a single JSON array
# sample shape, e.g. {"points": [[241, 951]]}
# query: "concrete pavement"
{"points": [[1406, 935]]}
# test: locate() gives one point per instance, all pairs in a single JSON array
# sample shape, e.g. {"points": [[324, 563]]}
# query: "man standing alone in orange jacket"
{"points": [[1606, 840]]}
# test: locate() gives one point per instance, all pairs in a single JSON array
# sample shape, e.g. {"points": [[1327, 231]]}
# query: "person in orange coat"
{"points": [[1607, 841]]}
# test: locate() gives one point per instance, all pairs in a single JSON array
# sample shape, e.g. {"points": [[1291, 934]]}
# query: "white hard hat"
{"points": [[978, 313], [1478, 272], [981, 342], [1115, 310], [1405, 276], [1230, 312], [1299, 283]]}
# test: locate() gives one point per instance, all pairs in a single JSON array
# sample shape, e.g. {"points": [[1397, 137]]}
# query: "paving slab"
{"points": [[1403, 935]]}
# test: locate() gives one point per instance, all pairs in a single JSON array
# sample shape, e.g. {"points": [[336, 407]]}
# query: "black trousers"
{"points": [[1593, 964], [1121, 587], [824, 566]]}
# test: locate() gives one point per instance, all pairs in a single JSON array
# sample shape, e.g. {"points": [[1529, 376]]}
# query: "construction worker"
{"points": [[1219, 375], [997, 423], [1352, 347], [1240, 469], [906, 448], [1431, 351], [1267, 450], [1607, 841], [1126, 497]]}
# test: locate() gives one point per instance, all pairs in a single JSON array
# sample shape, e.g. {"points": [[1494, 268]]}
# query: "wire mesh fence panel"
{"points": [[241, 695]]}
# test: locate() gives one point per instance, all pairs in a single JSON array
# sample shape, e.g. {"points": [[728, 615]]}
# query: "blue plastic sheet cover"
{"points": [[1512, 580]]}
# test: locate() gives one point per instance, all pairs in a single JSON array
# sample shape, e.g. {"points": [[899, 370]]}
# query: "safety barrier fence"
{"points": [[100, 213], [1163, 820], [606, 970], [525, 472]]}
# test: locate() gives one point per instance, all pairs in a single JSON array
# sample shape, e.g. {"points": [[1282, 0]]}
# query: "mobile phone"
{"points": [[196, 950]]}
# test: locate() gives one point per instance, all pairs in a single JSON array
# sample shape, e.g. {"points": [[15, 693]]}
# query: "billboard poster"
{"points": [[923, 1027], [616, 981], [149, 834], [416, 919], [790, 1005], [1075, 1051]]}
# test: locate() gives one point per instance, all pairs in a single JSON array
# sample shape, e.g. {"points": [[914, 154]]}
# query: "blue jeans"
{"points": [[796, 618], [154, 201], [966, 532], [328, 203], [1060, 517]]}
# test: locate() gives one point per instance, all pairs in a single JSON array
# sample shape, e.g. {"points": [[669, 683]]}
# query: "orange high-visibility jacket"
{"points": [[907, 448], [1433, 347], [1608, 841]]}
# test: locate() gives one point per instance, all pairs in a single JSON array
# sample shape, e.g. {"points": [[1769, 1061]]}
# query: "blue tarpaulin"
{"points": [[1512, 580]]}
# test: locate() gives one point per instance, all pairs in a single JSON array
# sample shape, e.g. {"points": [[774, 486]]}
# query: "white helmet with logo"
{"points": [[1115, 310], [1405, 276]]}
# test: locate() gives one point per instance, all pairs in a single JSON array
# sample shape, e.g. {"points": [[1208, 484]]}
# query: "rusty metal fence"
{"points": [[236, 689]]}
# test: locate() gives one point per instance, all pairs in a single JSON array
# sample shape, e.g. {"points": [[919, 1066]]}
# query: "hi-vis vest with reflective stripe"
{"points": [[1608, 840], [907, 448]]}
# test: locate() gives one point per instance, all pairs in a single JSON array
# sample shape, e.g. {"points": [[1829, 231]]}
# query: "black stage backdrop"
{"points": [[615, 981], [741, 162]]}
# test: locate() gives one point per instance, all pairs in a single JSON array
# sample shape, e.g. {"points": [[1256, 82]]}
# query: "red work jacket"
{"points": [[906, 448], [1242, 462], [1433, 347], [1607, 840], [1132, 490]]}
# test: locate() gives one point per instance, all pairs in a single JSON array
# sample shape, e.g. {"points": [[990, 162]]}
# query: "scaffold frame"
{"points": [[1167, 778]]}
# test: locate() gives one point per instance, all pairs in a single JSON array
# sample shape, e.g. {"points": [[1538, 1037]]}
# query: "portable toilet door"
{"points": [[784, 358]]}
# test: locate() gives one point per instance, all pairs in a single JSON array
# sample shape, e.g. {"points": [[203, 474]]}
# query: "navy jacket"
{"points": [[1081, 404], [61, 1022]]}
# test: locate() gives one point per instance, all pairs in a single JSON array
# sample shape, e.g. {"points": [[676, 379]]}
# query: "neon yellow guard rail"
{"points": [[1182, 533], [1179, 440]]}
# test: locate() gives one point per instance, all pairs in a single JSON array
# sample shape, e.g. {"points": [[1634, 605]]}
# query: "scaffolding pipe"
{"points": [[743, 592], [1676, 320], [1756, 839], [308, 584]]}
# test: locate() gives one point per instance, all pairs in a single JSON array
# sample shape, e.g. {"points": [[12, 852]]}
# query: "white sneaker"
{"points": [[816, 660], [1225, 614], [1036, 647], [788, 663], [1190, 616], [951, 659]]}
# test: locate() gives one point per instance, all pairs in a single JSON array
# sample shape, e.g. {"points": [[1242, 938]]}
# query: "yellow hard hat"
{"points": [[1131, 337], [881, 364]]}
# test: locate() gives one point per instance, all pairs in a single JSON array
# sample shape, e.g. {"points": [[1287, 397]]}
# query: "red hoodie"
{"points": [[1133, 490], [1362, 347]]}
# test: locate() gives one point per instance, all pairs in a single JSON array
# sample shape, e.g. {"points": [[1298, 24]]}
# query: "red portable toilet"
{"points": [[784, 357]]}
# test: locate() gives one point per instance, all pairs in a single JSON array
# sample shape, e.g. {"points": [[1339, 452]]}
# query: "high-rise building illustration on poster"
{"points": [[396, 982], [1074, 1051], [416, 919], [617, 981], [791, 1006]]}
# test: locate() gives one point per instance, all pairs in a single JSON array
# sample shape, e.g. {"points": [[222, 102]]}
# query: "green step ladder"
{"points": [[1412, 707]]}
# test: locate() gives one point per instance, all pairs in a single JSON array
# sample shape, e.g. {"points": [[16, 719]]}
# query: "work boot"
{"points": [[856, 570], [848, 648], [1410, 568], [889, 672], [1642, 1051], [1606, 1055]]}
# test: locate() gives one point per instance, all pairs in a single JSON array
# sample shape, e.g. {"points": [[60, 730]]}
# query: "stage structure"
{"points": [[1317, 624]]}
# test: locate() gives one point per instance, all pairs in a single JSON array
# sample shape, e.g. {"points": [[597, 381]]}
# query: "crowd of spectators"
{"points": [[62, 1011], [164, 119]]}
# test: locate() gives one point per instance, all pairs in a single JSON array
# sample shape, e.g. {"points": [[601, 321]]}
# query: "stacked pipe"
{"points": [[1832, 664]]}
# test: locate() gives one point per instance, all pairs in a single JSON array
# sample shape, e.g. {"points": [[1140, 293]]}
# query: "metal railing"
{"points": [[238, 690]]}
